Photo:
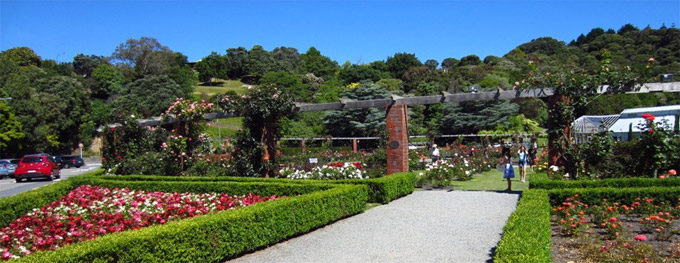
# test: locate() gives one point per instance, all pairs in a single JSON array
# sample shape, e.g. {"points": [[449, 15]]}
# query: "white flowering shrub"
{"points": [[440, 173], [334, 171]]}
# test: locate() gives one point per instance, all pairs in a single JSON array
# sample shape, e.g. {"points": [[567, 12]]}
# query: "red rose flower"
{"points": [[648, 117]]}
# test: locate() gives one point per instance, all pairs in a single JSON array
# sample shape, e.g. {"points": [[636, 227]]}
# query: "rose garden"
{"points": [[167, 193]]}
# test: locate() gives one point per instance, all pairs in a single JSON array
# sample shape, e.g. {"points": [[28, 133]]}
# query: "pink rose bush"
{"points": [[91, 211]]}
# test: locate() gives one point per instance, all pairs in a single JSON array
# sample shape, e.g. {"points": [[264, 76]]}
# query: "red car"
{"points": [[37, 166]]}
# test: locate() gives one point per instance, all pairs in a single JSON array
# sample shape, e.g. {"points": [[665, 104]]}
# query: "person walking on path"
{"points": [[533, 150], [522, 163], [435, 153], [508, 172]]}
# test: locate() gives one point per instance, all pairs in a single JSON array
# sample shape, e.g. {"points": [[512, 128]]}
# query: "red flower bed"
{"points": [[91, 211]]}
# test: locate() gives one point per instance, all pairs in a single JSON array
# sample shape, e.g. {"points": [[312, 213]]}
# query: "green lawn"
{"points": [[221, 87], [234, 121], [217, 133], [492, 181]]}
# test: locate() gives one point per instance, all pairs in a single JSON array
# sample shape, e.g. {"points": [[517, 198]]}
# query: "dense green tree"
{"points": [[259, 62], [358, 122], [491, 60], [22, 57], [471, 117], [533, 108], [546, 45], [431, 64], [184, 77], [84, 65], [147, 97], [305, 125], [212, 66], [357, 73], [401, 62], [515, 124], [470, 60], [329, 91], [237, 59], [291, 83], [286, 59], [492, 81], [108, 81], [146, 56], [449, 63], [413, 77], [428, 88], [317, 64], [392, 85], [10, 129], [379, 65]]}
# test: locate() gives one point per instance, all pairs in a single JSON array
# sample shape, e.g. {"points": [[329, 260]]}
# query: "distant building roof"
{"points": [[594, 123], [660, 110], [623, 124], [665, 115]]}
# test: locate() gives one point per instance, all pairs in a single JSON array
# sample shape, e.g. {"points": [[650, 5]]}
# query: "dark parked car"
{"points": [[37, 166], [68, 161]]}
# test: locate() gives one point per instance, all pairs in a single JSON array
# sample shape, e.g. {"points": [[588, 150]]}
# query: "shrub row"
{"points": [[594, 196], [382, 190], [526, 236], [219, 236], [618, 183], [387, 188]]}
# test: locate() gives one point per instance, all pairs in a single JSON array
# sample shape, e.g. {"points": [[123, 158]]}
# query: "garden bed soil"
{"points": [[572, 249]]}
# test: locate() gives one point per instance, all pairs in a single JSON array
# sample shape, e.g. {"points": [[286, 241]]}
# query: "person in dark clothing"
{"points": [[533, 150]]}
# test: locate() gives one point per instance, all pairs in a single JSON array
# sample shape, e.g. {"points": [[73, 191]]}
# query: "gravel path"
{"points": [[426, 226]]}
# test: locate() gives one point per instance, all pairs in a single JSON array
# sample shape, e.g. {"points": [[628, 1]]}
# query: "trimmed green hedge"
{"points": [[382, 190], [218, 236], [526, 236], [387, 188], [594, 196], [618, 183]]}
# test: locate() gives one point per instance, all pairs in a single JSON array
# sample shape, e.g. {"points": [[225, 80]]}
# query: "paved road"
{"points": [[426, 226], [8, 187]]}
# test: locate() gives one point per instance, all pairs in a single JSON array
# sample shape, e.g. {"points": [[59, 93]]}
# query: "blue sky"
{"points": [[355, 31]]}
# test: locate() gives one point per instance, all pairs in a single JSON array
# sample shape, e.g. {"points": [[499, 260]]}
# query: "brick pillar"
{"points": [[354, 145], [397, 144]]}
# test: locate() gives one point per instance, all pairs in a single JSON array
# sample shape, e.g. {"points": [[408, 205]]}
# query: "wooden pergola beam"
{"points": [[425, 100]]}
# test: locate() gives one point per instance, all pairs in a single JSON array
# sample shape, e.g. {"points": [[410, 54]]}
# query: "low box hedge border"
{"points": [[594, 196], [382, 190], [526, 236], [218, 236], [614, 182]]}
